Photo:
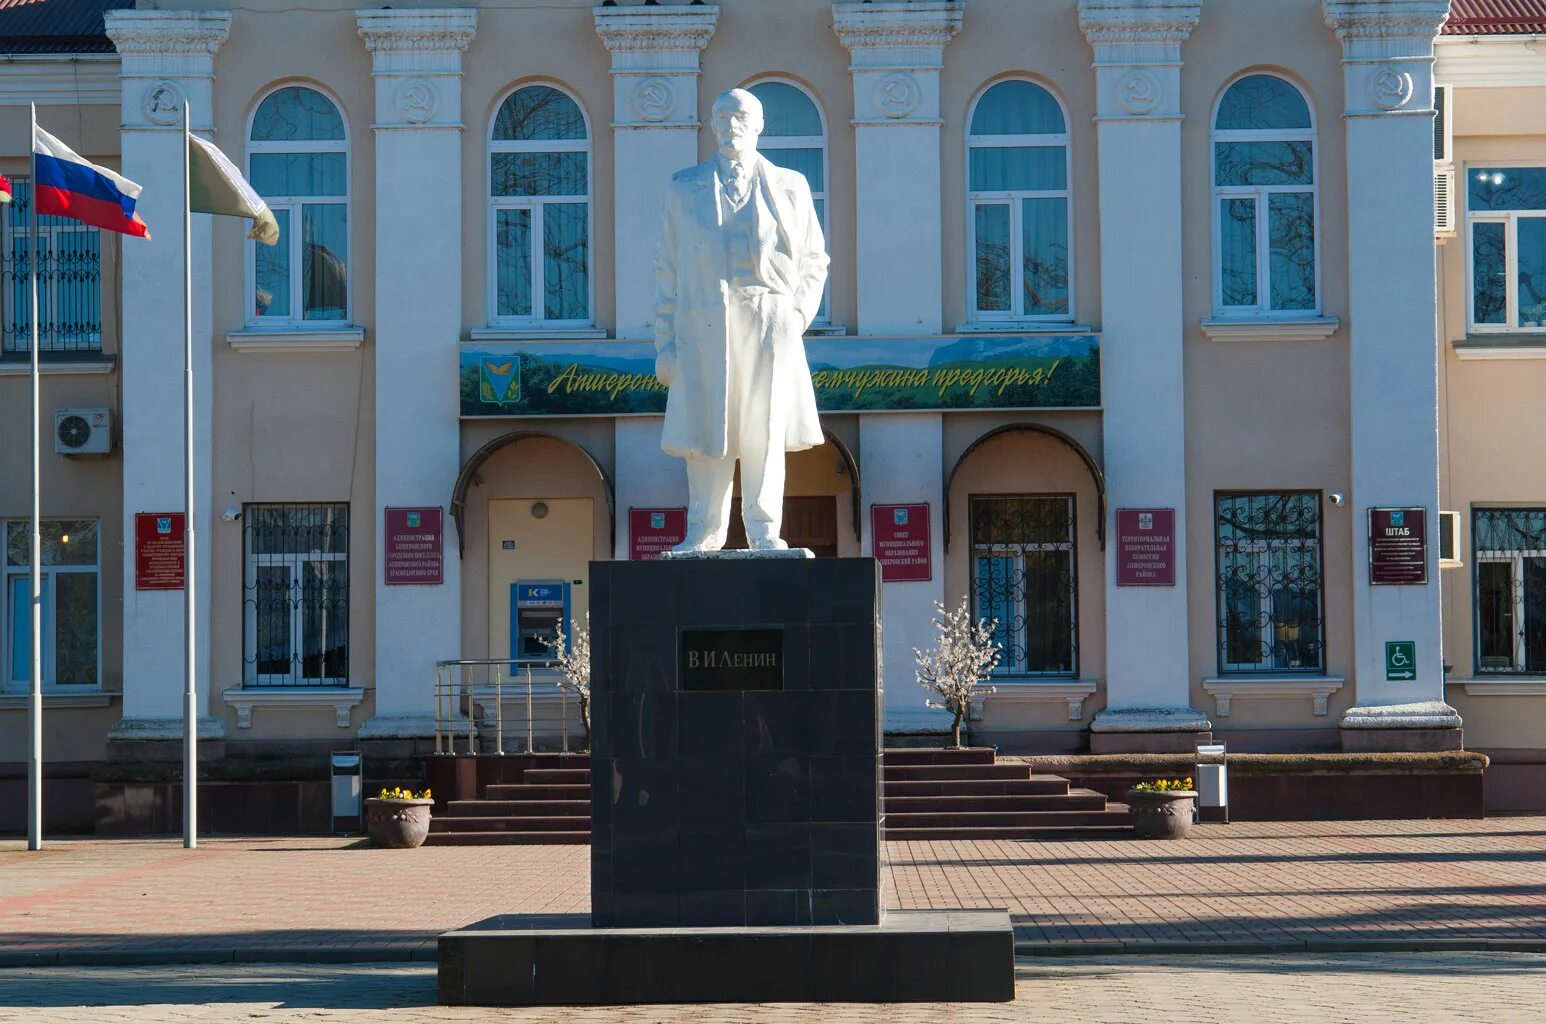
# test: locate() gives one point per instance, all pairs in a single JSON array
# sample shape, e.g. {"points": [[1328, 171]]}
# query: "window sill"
{"points": [[341, 699], [537, 334], [1020, 328], [1501, 346], [1229, 688], [99, 365], [1030, 691], [93, 699], [1522, 686], [1315, 328], [255, 339]]}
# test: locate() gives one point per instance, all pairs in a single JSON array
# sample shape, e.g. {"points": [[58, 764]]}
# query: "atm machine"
{"points": [[537, 608]]}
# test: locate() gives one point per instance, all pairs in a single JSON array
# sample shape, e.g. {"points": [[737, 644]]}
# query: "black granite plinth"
{"points": [[718, 805], [558, 960]]}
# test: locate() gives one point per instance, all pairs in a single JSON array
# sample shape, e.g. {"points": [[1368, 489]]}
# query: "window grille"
{"points": [[69, 281], [1510, 546], [1270, 588], [1025, 579], [296, 600]]}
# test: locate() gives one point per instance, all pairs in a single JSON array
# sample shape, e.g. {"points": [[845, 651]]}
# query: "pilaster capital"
{"points": [[655, 62], [1387, 54], [897, 50], [417, 42], [1137, 46], [898, 36], [651, 40], [1373, 30], [165, 59], [1135, 32]]}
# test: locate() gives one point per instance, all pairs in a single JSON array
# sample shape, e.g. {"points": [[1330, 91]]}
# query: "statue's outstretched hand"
{"points": [[665, 365]]}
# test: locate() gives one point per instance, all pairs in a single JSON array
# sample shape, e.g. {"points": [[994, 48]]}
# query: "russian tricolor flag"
{"points": [[66, 185]]}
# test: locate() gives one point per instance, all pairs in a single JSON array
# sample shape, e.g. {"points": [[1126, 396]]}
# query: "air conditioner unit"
{"points": [[1443, 163], [1444, 203], [83, 431], [1449, 540]]}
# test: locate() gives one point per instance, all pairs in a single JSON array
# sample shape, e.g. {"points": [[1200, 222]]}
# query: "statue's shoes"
{"points": [[700, 542], [769, 544]]}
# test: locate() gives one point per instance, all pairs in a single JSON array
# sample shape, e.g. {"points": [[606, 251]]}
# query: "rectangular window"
{"points": [[296, 606], [72, 605], [1506, 216], [1270, 591], [69, 256], [1025, 580], [1510, 547]]}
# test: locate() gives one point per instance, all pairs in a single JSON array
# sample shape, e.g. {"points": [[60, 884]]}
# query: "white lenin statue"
{"points": [[740, 273]]}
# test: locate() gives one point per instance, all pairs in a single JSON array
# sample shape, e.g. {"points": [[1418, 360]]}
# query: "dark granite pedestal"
{"points": [[736, 843]]}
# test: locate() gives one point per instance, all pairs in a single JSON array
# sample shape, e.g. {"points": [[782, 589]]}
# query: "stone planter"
{"points": [[1162, 815], [397, 824]]}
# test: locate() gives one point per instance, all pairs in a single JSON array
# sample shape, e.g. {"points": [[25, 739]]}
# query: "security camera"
{"points": [[1336, 497], [231, 515]]}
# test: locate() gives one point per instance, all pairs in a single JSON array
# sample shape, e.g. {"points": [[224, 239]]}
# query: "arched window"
{"points": [[1017, 205], [298, 161], [795, 137], [1264, 200], [539, 210]]}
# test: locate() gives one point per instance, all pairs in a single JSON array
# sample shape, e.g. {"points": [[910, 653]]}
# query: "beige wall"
{"points": [[1489, 448]]}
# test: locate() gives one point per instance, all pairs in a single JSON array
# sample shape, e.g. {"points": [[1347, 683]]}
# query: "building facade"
{"points": [[1127, 342]]}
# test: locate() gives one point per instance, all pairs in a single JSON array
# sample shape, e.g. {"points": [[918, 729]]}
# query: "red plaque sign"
{"points": [[414, 546], [900, 538], [1398, 546], [1146, 547], [158, 551], [652, 531]]}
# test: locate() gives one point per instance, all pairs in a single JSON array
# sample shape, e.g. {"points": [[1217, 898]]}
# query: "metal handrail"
{"points": [[457, 695]]}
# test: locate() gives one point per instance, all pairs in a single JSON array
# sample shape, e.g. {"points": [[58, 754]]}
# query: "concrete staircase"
{"points": [[970, 794], [928, 794]]}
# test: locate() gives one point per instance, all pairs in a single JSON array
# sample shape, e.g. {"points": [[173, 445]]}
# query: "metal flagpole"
{"points": [[190, 639], [35, 701]]}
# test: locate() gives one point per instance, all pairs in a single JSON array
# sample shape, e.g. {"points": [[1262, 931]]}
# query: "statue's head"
{"points": [[737, 122]]}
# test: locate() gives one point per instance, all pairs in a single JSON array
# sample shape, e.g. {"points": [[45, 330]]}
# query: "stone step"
{"points": [[557, 776], [518, 791], [954, 772], [1039, 833], [515, 808], [898, 756], [1036, 784], [968, 821], [1073, 800], [555, 823], [508, 839]]}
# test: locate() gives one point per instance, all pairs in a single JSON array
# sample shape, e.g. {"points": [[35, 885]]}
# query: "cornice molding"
{"points": [[1376, 30], [897, 35], [159, 33], [447, 30], [1469, 62]]}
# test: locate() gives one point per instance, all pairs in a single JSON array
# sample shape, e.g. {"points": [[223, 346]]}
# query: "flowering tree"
{"points": [[572, 655], [955, 667]]}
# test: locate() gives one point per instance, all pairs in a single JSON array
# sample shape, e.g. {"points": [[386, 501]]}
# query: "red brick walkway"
{"points": [[1290, 882]]}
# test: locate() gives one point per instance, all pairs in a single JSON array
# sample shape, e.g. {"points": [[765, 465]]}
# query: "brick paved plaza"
{"points": [[1296, 884]]}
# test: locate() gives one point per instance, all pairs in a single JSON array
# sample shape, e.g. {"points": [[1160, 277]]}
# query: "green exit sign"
{"points": [[1401, 660]]}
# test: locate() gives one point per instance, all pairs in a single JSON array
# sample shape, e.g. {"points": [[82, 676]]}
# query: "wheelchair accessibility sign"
{"points": [[1400, 660]]}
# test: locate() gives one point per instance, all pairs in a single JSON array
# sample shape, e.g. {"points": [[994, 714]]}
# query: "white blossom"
{"points": [[964, 656]]}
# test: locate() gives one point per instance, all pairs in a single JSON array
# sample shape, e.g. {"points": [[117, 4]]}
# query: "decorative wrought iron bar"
{"points": [[1025, 578], [296, 602], [1271, 601], [69, 282], [1510, 565]]}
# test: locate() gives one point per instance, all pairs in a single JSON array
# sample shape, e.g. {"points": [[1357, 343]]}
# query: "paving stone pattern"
{"points": [[1285, 882], [1294, 989]]}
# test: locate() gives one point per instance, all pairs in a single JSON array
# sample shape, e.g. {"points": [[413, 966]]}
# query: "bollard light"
{"points": [[1213, 783], [347, 782]]}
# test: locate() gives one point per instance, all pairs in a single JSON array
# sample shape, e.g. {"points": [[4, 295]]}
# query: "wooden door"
{"points": [[809, 522]]}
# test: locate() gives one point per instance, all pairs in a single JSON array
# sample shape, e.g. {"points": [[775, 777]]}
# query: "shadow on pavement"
{"points": [[285, 986]]}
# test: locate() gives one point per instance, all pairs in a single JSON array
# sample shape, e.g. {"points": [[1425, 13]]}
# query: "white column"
{"points": [[655, 53], [167, 56], [1387, 61], [417, 320], [898, 50], [1137, 46]]}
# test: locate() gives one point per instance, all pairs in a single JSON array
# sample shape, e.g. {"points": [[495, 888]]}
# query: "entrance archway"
{"points": [[469, 475]]}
